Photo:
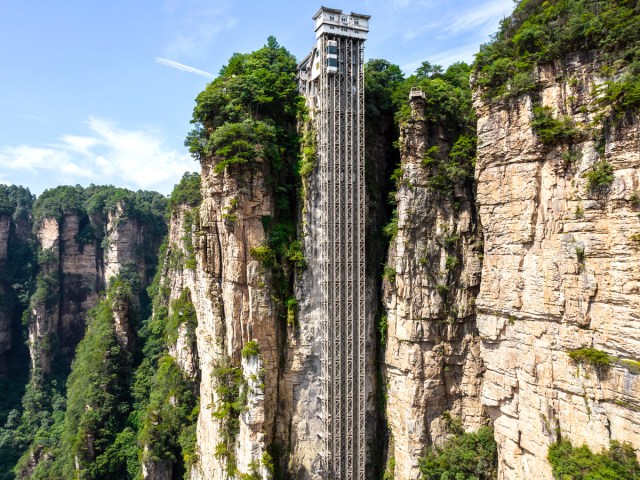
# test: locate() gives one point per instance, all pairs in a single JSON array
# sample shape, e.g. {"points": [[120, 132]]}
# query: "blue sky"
{"points": [[102, 92]]}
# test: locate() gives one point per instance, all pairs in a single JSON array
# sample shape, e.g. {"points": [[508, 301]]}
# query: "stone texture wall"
{"points": [[432, 362], [300, 421], [125, 245], [560, 273], [5, 228], [5, 314], [79, 267], [232, 296]]}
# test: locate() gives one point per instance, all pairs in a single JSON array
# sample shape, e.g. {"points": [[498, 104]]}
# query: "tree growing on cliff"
{"points": [[472, 456]]}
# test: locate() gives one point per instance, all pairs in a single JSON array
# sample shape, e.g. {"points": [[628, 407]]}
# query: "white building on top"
{"points": [[334, 22]]}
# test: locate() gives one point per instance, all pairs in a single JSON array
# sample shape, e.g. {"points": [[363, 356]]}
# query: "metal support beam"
{"points": [[340, 123]]}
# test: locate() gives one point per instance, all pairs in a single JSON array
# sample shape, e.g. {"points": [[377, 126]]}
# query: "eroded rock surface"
{"points": [[432, 363], [560, 273]]}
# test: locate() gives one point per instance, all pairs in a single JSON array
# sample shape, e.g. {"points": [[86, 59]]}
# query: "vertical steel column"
{"points": [[326, 282], [341, 154], [359, 273]]}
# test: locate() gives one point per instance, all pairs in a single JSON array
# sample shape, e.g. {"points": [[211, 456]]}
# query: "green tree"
{"points": [[468, 456], [580, 463]]}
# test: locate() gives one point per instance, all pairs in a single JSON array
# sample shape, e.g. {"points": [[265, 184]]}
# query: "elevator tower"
{"points": [[332, 80]]}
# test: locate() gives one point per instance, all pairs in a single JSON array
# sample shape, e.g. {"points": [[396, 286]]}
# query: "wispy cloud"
{"points": [[195, 24], [133, 158], [487, 13], [403, 4], [35, 118], [183, 67]]}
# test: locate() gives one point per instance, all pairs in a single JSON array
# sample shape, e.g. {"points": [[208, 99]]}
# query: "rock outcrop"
{"points": [[73, 270], [432, 364], [560, 273], [231, 293], [5, 314]]}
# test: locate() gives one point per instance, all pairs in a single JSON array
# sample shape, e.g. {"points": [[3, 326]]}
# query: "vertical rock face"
{"points": [[5, 224], [300, 422], [80, 271], [560, 273], [231, 294], [5, 315], [432, 362], [71, 275], [125, 245], [73, 272], [44, 311]]}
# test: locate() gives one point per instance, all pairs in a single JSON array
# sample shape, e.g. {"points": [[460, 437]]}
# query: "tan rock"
{"points": [[432, 363], [538, 300]]}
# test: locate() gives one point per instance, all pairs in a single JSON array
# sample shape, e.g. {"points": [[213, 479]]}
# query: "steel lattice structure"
{"points": [[332, 78]]}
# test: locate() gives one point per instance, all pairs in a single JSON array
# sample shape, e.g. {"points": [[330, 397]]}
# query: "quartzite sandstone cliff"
{"points": [[560, 272]]}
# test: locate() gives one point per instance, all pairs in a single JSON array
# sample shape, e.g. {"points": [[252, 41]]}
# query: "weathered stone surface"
{"points": [[432, 363], [300, 422], [5, 227], [232, 296], [79, 270], [539, 299], [125, 244], [5, 315]]}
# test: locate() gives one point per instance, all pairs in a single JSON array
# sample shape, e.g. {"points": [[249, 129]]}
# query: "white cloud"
{"points": [[79, 144], [137, 156], [183, 67], [488, 13], [132, 158], [403, 4], [196, 24]]}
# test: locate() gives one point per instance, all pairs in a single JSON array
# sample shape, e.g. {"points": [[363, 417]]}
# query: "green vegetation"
{"points": [[390, 471], [168, 427], [550, 130], [580, 463], [390, 230], [383, 327], [15, 201], [97, 396], [292, 307], [591, 356], [600, 177], [442, 289], [381, 78], [146, 206], [264, 254], [243, 143], [449, 109], [250, 350], [84, 433], [463, 456], [307, 162], [246, 108], [231, 394], [539, 32], [632, 366], [182, 313], [389, 274], [186, 192]]}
